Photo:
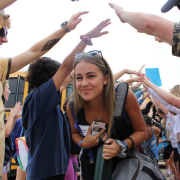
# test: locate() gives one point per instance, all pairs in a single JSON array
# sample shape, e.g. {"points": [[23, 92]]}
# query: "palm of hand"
{"points": [[96, 32]]}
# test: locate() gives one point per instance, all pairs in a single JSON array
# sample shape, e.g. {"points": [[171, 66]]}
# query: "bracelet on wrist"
{"points": [[63, 25], [80, 144], [71, 76], [86, 39], [123, 147]]}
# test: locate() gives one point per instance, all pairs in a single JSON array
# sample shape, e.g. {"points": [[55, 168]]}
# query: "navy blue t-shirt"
{"points": [[47, 133]]}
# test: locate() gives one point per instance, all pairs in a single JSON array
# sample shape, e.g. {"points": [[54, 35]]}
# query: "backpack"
{"points": [[139, 167], [135, 166]]}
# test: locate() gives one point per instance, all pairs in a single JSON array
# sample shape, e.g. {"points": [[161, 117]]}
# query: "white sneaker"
{"points": [[168, 175]]}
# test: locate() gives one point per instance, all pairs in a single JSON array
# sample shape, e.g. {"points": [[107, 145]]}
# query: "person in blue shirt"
{"points": [[47, 132], [153, 136]]}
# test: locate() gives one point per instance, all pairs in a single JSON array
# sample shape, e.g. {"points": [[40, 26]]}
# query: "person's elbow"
{"points": [[149, 25], [6, 134]]}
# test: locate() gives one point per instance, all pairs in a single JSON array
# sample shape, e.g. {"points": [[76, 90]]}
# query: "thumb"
{"points": [[110, 141], [89, 130], [105, 32]]}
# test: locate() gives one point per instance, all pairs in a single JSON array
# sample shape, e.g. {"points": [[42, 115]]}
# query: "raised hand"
{"points": [[146, 95], [146, 81], [75, 20], [136, 79], [140, 70], [96, 32], [146, 87], [16, 110], [91, 141], [118, 10], [131, 72], [137, 85]]}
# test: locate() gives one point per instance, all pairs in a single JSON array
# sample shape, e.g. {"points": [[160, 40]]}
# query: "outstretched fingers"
{"points": [[105, 32], [112, 5], [77, 15]]}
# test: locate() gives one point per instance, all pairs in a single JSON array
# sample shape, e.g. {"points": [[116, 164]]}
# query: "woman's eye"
{"points": [[91, 76], [78, 78]]}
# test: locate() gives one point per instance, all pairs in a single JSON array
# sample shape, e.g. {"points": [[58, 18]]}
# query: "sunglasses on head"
{"points": [[3, 32], [90, 53]]}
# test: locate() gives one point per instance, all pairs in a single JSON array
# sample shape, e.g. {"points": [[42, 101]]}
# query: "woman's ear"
{"points": [[106, 79]]}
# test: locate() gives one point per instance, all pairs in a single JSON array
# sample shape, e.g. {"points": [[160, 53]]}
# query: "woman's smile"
{"points": [[86, 90]]}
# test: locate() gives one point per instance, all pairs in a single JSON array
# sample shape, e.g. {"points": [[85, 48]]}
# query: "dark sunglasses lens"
{"points": [[3, 32], [93, 53], [79, 55]]}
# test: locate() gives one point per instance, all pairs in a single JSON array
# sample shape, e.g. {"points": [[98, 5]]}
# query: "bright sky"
{"points": [[123, 47]]}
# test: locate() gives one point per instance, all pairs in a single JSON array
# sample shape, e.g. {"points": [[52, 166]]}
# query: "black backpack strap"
{"points": [[120, 99], [151, 173]]}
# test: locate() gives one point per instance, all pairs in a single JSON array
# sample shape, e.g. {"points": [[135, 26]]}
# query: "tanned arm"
{"points": [[67, 65], [133, 110], [5, 3], [12, 119], [42, 47], [147, 23], [166, 96]]}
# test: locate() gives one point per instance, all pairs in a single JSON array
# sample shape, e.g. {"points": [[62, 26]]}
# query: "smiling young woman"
{"points": [[94, 98]]}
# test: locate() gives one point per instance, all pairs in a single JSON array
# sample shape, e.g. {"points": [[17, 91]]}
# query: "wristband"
{"points": [[63, 25], [71, 76], [122, 154], [131, 141], [86, 39], [80, 144]]}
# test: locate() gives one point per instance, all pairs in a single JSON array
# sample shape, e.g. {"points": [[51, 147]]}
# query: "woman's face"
{"points": [[89, 81], [6, 91]]}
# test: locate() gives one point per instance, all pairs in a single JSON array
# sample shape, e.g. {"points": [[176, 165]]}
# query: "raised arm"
{"points": [[5, 3], [67, 65], [135, 79], [147, 23], [67, 81], [42, 47], [12, 119], [122, 72], [166, 96], [160, 106]]}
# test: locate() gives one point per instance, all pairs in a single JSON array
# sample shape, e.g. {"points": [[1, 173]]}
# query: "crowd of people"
{"points": [[140, 122]]}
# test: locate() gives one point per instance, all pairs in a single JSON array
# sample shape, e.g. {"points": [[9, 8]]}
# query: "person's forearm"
{"points": [[119, 74], [67, 81], [138, 94], [36, 51], [9, 125], [139, 137], [140, 101], [67, 65], [77, 138], [165, 104], [132, 87], [150, 24], [5, 3], [129, 80]]}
